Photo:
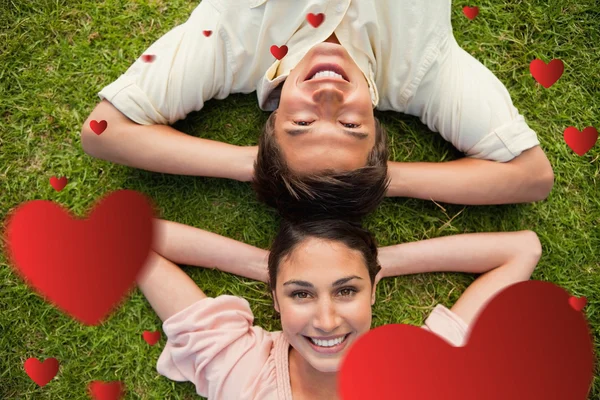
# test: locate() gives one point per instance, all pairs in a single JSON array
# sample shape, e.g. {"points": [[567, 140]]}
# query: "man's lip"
{"points": [[327, 67]]}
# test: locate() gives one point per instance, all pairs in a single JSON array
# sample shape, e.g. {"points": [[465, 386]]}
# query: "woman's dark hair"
{"points": [[351, 234], [328, 194]]}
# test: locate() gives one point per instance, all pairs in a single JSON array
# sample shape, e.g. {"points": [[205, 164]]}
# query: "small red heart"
{"points": [[581, 142], [41, 372], [106, 390], [84, 267], [98, 127], [151, 337], [148, 58], [527, 335], [546, 75], [58, 183], [577, 303], [470, 12], [207, 33], [279, 52], [315, 20]]}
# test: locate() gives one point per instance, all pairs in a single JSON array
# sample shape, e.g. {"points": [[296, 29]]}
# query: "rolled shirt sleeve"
{"points": [[189, 68], [447, 325], [466, 103]]}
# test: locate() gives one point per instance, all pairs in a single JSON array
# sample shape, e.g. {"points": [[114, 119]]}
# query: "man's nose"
{"points": [[328, 94], [326, 319]]}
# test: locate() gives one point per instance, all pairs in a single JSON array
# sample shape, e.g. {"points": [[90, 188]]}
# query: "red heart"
{"points": [[279, 52], [151, 337], [470, 12], [546, 75], [84, 267], [577, 303], [58, 183], [581, 142], [315, 20], [527, 343], [207, 33], [148, 58], [106, 390], [41, 372], [98, 127]]}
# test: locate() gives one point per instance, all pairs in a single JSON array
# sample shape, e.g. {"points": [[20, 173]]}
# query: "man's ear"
{"points": [[275, 303]]}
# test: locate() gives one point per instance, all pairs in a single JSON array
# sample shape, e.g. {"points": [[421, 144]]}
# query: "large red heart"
{"points": [[279, 52], [580, 142], [106, 390], [546, 75], [315, 20], [98, 127], [470, 12], [527, 343], [84, 267], [41, 372]]}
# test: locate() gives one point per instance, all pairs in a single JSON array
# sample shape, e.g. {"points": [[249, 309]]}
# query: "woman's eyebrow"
{"points": [[296, 132], [306, 284]]}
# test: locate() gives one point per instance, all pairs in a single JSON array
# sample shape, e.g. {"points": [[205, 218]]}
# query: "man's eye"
{"points": [[352, 126], [301, 123]]}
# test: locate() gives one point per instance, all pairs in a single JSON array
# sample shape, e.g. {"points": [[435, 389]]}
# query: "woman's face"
{"points": [[323, 292]]}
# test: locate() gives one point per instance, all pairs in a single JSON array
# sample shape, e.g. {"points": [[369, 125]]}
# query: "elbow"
{"points": [[88, 141], [544, 184], [530, 252]]}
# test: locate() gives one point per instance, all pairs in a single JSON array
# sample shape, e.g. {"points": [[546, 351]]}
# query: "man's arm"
{"points": [[471, 181], [183, 244], [161, 148]]}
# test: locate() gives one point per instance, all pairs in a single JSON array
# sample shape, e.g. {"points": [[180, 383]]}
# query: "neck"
{"points": [[308, 381]]}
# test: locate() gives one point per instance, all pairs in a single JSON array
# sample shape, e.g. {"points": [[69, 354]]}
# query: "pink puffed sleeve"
{"points": [[213, 344], [447, 325]]}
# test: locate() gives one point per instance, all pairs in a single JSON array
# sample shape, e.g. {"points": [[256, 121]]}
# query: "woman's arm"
{"points": [[167, 288], [187, 245]]}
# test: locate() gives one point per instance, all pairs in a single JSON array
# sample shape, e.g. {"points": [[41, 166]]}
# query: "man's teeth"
{"points": [[328, 343], [321, 74]]}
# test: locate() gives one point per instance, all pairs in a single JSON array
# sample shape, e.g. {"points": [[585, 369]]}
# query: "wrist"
{"points": [[245, 163]]}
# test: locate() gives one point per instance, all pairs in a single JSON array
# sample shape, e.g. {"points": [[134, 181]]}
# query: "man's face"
{"points": [[326, 122]]}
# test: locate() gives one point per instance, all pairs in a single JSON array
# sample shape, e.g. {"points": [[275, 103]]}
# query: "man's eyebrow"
{"points": [[337, 283], [296, 132]]}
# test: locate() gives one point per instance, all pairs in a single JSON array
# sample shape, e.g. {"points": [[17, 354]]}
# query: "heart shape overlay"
{"points": [[151, 337], [279, 52], [577, 302], [148, 58], [527, 343], [106, 390], [315, 19], [470, 12], [207, 33], [84, 267], [580, 142], [98, 127], [58, 183], [546, 75], [41, 372]]}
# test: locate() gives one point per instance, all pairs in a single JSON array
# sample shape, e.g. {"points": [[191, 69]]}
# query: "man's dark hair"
{"points": [[348, 195]]}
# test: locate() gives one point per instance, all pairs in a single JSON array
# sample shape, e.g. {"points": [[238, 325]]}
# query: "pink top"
{"points": [[213, 344]]}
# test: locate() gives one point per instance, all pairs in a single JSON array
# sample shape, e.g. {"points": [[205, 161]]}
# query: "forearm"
{"points": [[467, 181], [188, 245], [167, 288], [161, 148], [470, 252]]}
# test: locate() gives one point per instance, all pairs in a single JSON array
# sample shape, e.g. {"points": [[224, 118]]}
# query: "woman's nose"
{"points": [[326, 318]]}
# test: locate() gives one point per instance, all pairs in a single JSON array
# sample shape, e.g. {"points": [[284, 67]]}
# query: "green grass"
{"points": [[56, 55]]}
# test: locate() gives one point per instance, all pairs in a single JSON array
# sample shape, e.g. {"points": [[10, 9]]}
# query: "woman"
{"points": [[322, 276]]}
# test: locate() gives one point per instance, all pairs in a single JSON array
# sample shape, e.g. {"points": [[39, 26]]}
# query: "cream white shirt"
{"points": [[405, 48]]}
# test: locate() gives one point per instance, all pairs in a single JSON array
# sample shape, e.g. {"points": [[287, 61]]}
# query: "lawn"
{"points": [[56, 55]]}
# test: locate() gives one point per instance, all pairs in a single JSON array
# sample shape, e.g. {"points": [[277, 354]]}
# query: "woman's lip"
{"points": [[327, 67], [329, 350]]}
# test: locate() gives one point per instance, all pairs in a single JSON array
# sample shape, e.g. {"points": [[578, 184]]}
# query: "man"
{"points": [[322, 146]]}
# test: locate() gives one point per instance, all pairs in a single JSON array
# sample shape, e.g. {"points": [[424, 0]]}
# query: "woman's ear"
{"points": [[275, 303], [373, 293]]}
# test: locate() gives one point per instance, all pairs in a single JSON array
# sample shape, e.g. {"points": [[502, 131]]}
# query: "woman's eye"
{"points": [[301, 123], [300, 295], [347, 292]]}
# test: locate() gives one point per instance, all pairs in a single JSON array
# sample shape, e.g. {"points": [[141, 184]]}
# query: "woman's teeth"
{"points": [[328, 343], [326, 73]]}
